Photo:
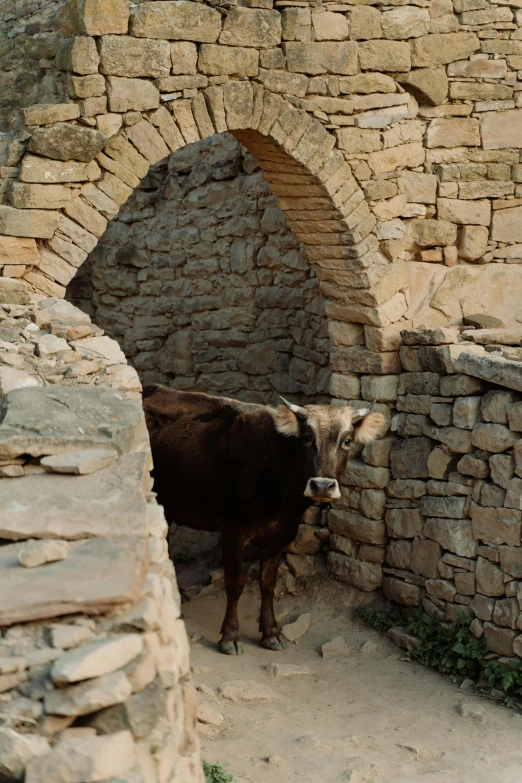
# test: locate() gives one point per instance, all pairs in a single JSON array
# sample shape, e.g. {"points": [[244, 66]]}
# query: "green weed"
{"points": [[216, 773]]}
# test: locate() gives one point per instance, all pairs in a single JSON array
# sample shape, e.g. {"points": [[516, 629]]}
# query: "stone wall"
{"points": [[94, 659], [433, 512], [204, 286]]}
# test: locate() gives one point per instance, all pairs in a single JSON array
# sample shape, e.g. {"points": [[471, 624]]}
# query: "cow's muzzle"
{"points": [[320, 488]]}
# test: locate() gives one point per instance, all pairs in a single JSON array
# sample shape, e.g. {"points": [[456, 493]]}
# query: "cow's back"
{"points": [[213, 457]]}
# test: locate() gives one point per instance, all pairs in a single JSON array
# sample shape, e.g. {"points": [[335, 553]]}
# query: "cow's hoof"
{"points": [[231, 647], [274, 642]]}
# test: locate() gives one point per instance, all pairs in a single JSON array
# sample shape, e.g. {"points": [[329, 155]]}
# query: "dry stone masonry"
{"points": [[94, 669], [203, 284], [390, 136]]}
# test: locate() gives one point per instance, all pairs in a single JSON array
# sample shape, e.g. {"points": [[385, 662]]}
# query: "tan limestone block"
{"points": [[90, 86], [403, 156], [367, 83], [405, 22], [330, 26], [184, 56], [502, 130], [124, 55], [36, 223], [439, 49], [176, 20], [381, 55], [506, 225], [45, 170], [355, 140], [251, 27], [454, 132], [55, 267], [18, 250], [472, 212], [164, 121], [473, 242], [109, 124], [86, 216], [120, 150], [365, 23], [46, 113], [25, 196], [182, 112], [131, 94], [148, 141], [78, 55], [322, 57], [216, 60], [428, 85]]}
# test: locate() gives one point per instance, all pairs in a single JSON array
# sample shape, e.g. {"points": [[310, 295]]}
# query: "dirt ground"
{"points": [[366, 716]]}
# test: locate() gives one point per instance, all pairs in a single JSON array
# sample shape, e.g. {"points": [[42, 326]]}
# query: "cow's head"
{"points": [[326, 434]]}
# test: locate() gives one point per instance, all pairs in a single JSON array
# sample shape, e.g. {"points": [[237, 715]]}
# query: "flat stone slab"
{"points": [[493, 336], [98, 574], [493, 369], [80, 462], [51, 505], [54, 420]]}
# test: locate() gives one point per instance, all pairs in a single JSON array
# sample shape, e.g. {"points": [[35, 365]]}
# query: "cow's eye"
{"points": [[347, 443]]}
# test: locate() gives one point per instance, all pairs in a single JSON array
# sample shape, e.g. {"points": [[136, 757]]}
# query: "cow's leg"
{"points": [[271, 637], [232, 546]]}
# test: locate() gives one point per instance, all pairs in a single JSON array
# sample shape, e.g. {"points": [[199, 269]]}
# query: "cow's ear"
{"points": [[286, 421], [369, 428]]}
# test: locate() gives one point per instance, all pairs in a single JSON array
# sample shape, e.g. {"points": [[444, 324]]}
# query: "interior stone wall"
{"points": [[203, 284]]}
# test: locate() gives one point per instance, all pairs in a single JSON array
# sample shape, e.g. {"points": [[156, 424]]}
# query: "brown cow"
{"points": [[249, 471]]}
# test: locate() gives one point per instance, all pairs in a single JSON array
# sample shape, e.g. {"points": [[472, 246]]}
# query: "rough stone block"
{"points": [[358, 573], [427, 85], [425, 556], [62, 141], [330, 26], [409, 458], [502, 130], [131, 94], [25, 196], [96, 17], [38, 223], [122, 55], [176, 20], [403, 522], [96, 659], [439, 49], [365, 476], [357, 527], [251, 27], [381, 55], [322, 57], [453, 507], [492, 437], [17, 750], [405, 22], [401, 592], [40, 421], [365, 23], [453, 534], [113, 572], [78, 55], [89, 759], [398, 554], [499, 640], [465, 412], [216, 60]]}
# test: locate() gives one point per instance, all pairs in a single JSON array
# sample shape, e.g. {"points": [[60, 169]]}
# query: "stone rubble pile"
{"points": [[94, 661]]}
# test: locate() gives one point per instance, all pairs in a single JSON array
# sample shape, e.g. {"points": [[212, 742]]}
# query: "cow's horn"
{"points": [[294, 408], [362, 412]]}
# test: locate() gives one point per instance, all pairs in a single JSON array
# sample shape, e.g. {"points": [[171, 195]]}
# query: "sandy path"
{"points": [[366, 716]]}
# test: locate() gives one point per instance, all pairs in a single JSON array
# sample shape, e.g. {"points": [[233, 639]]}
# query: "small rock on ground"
{"points": [[209, 715], [246, 690], [286, 670], [368, 647], [335, 649], [294, 631], [471, 710]]}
